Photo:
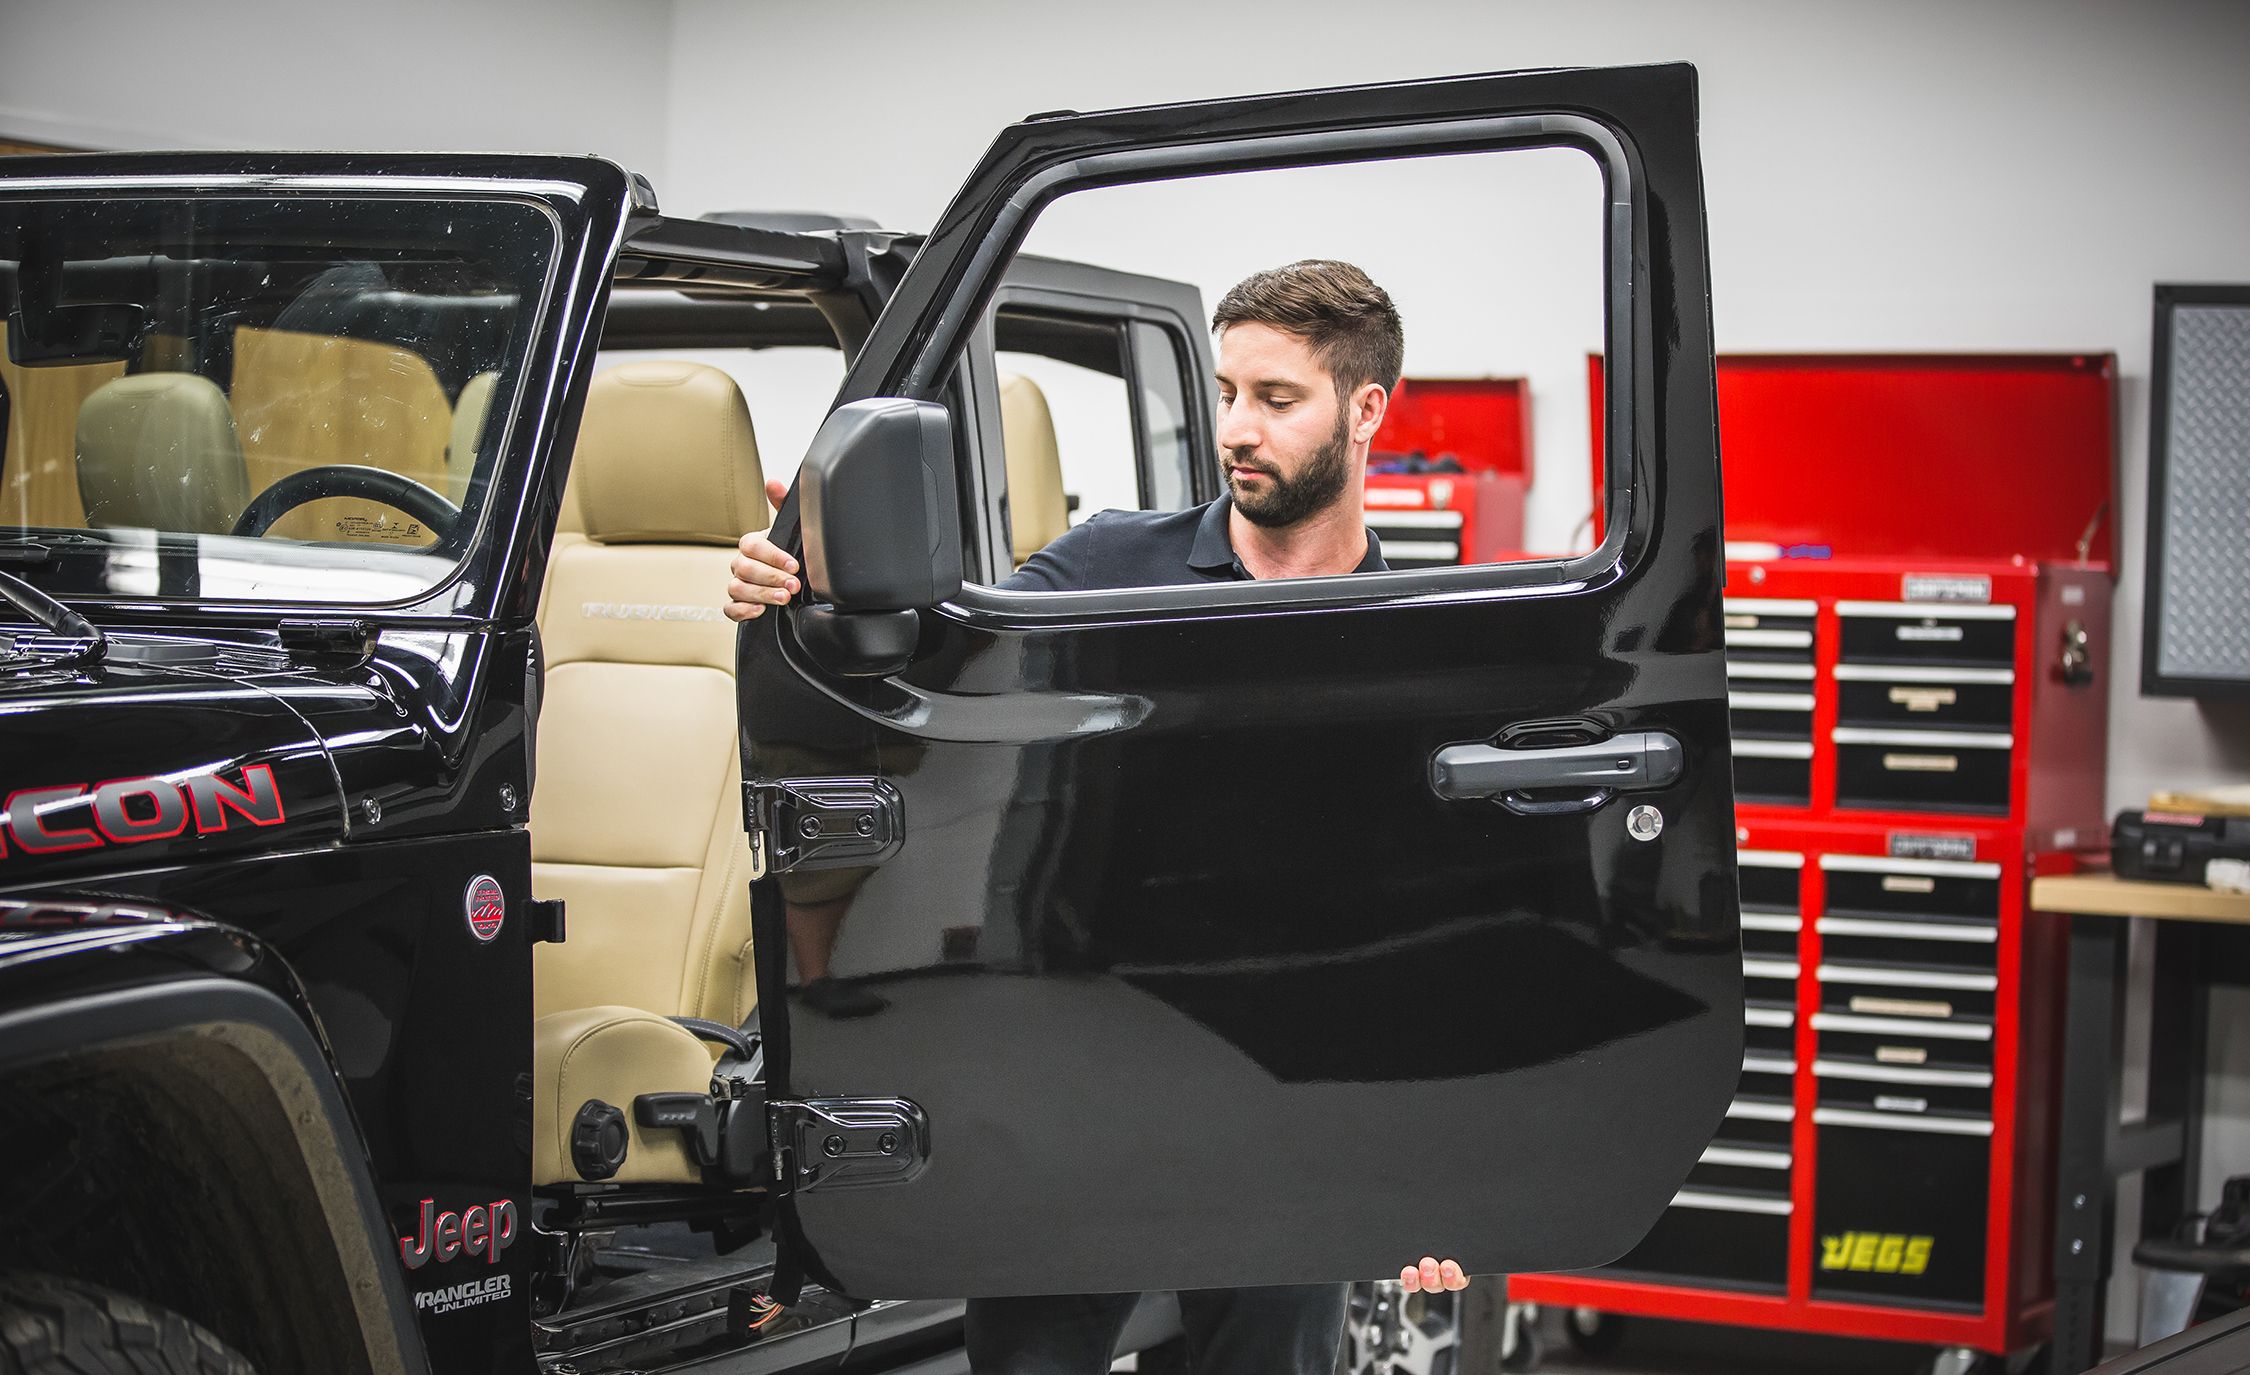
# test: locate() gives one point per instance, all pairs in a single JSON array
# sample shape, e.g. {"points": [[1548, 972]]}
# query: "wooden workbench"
{"points": [[2195, 930]]}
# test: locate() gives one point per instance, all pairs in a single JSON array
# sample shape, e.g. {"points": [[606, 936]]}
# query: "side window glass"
{"points": [[1159, 384], [1483, 439]]}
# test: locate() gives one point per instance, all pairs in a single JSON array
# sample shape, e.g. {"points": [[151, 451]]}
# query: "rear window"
{"points": [[273, 398]]}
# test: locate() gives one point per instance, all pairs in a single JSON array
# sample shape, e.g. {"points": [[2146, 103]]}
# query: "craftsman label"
{"points": [[1946, 587], [485, 905], [1927, 845]]}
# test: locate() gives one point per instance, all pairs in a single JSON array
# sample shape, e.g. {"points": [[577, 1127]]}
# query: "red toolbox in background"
{"points": [[1446, 483], [1917, 624]]}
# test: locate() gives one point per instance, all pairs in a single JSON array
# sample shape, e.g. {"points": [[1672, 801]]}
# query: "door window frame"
{"points": [[1628, 523]]}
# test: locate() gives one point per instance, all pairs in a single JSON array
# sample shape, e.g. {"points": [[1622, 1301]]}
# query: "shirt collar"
{"points": [[1213, 550]]}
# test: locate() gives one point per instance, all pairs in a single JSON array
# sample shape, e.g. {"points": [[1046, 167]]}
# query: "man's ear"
{"points": [[1369, 404]]}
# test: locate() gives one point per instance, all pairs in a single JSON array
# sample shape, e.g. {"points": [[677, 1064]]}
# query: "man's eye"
{"points": [[1281, 403]]}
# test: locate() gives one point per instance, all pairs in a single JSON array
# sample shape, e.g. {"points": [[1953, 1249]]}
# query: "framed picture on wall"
{"points": [[2195, 635]]}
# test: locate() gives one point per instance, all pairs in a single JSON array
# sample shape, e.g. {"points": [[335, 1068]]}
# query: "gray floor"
{"points": [[1651, 1346]]}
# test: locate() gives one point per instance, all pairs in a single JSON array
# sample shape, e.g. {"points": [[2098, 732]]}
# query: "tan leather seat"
{"points": [[159, 450], [1038, 512], [636, 822], [469, 415]]}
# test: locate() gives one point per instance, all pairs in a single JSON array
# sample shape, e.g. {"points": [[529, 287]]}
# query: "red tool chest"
{"points": [[1917, 626], [1447, 486]]}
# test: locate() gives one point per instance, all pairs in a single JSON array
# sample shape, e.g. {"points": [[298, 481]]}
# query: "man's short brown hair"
{"points": [[1336, 308]]}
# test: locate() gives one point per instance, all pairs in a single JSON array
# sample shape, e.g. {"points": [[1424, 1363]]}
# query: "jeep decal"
{"points": [[484, 1229], [128, 811]]}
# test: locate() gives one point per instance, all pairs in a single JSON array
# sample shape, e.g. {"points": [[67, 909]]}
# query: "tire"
{"points": [[1388, 1331], [50, 1325]]}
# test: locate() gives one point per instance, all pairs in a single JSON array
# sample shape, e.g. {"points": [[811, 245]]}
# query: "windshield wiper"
{"points": [[54, 616]]}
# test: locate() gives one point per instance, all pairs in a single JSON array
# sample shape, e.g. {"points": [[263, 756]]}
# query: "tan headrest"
{"points": [[1037, 511], [666, 455], [159, 450], [468, 428]]}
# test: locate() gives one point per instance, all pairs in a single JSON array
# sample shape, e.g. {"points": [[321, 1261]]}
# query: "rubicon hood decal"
{"points": [[133, 811]]}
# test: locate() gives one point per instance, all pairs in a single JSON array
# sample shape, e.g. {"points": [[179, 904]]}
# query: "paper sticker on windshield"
{"points": [[487, 907]]}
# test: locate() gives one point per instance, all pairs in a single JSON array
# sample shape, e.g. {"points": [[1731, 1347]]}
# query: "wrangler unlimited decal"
{"points": [[128, 811]]}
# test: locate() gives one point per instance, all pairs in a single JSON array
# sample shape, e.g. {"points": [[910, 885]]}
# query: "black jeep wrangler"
{"points": [[434, 938]]}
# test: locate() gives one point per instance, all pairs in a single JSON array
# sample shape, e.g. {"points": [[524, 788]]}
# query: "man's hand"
{"points": [[763, 572], [1432, 1275]]}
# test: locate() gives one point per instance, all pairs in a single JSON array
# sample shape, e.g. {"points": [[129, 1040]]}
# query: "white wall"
{"points": [[2012, 175], [569, 76]]}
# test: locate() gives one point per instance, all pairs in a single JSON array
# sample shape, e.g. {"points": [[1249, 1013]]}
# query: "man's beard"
{"points": [[1287, 501]]}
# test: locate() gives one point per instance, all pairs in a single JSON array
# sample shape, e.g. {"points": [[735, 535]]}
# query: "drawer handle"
{"points": [[1901, 1007], [1922, 763], [1907, 883], [1944, 1126], [1881, 1074], [1745, 1159], [1902, 1055], [1730, 1203], [1900, 1026], [1923, 699], [1946, 634], [1891, 1102]]}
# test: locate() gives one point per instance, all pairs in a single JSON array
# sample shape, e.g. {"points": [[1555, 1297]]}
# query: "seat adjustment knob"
{"points": [[598, 1140]]}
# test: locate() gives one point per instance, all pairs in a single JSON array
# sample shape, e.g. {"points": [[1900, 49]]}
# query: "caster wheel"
{"points": [[1521, 1347], [1592, 1331]]}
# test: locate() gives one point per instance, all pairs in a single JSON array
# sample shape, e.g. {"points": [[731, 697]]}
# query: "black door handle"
{"points": [[1599, 769]]}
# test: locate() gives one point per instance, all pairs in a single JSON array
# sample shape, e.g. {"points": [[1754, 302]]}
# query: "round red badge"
{"points": [[487, 907]]}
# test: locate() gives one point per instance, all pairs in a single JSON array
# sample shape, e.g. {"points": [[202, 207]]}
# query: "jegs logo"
{"points": [[484, 1229]]}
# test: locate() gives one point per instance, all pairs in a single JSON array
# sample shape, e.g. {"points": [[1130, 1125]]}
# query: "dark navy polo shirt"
{"points": [[1114, 549]]}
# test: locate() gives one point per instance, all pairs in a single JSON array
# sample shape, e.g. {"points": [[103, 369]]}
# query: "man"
{"points": [[1307, 357]]}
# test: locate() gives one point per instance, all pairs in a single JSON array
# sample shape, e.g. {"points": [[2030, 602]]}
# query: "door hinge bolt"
{"points": [[889, 1143], [834, 1145], [808, 827]]}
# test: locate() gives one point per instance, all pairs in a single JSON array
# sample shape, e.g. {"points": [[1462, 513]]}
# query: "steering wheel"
{"points": [[348, 480]]}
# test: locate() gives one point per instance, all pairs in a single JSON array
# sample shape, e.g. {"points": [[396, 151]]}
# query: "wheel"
{"points": [[1960, 1360], [1388, 1331], [55, 1326], [347, 480], [1592, 1331], [1521, 1347]]}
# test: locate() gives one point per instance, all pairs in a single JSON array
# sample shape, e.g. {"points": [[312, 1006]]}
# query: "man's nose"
{"points": [[1236, 431]]}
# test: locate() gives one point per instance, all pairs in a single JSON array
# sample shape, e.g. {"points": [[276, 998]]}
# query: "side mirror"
{"points": [[876, 497]]}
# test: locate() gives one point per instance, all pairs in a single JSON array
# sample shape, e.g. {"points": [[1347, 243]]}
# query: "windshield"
{"points": [[270, 397]]}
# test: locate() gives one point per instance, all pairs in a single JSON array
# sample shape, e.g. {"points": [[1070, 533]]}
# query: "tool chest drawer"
{"points": [[1735, 1239], [1925, 633], [1932, 992], [1765, 712], [1771, 880], [1912, 1090], [1936, 943], [1774, 771], [1924, 697], [1760, 1121], [1922, 770], [1769, 629], [1731, 1164], [1878, 886], [1769, 1028], [1770, 935], [1899, 1209], [1906, 1042]]}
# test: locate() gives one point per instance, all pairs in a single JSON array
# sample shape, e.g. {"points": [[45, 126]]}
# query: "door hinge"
{"points": [[546, 920], [837, 1143], [823, 823]]}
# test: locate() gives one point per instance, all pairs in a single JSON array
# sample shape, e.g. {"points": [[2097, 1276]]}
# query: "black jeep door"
{"points": [[1268, 932]]}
